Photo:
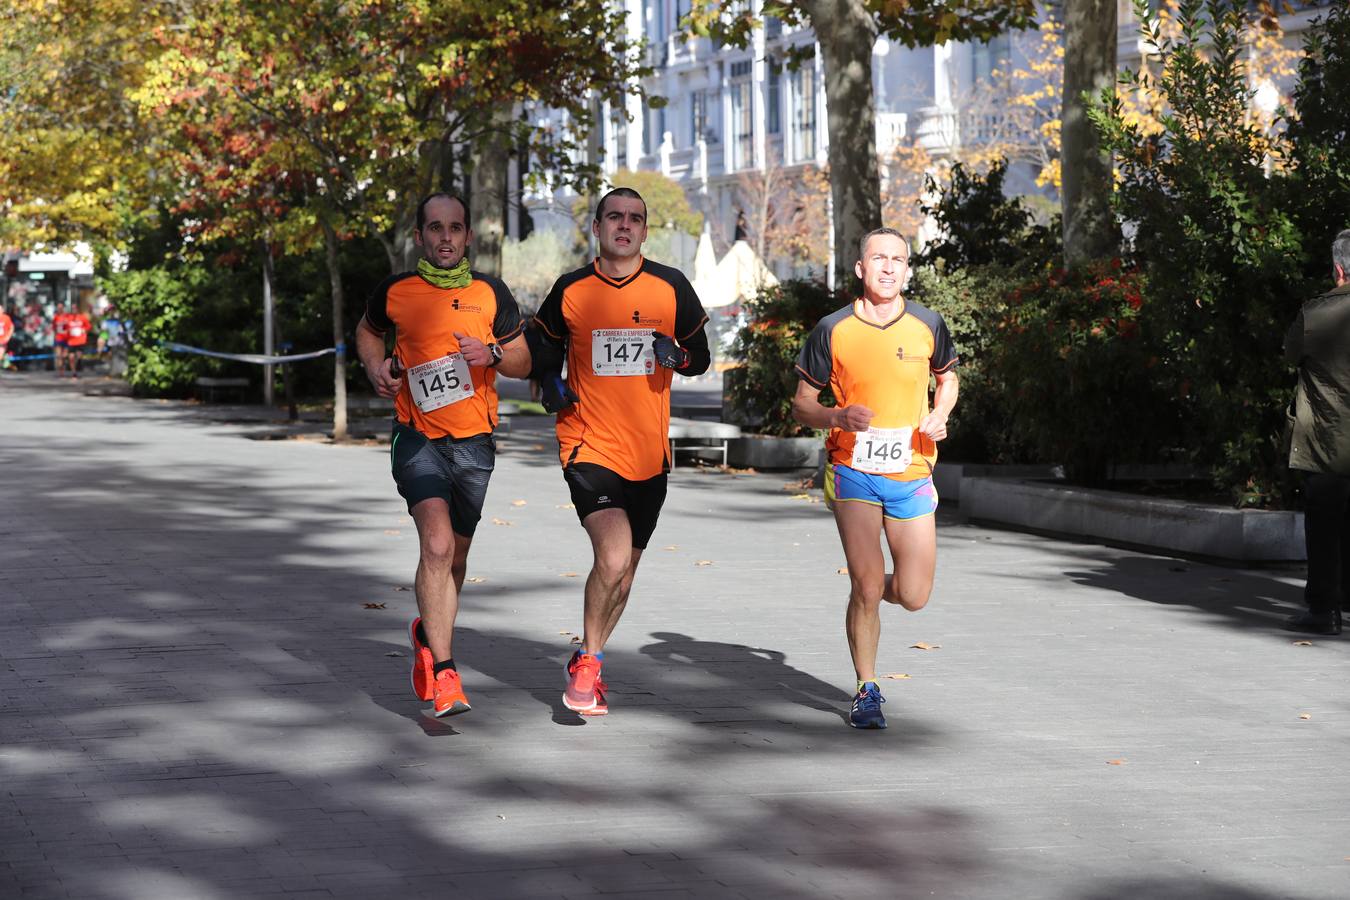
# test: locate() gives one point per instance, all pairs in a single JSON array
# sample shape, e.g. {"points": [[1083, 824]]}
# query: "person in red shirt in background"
{"points": [[78, 327], [59, 326], [6, 332]]}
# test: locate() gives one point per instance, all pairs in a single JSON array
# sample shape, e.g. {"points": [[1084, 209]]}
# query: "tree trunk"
{"points": [[492, 156], [330, 244], [1085, 195], [269, 320], [846, 32]]}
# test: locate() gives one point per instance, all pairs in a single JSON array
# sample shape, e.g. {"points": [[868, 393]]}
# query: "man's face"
{"points": [[622, 228], [883, 268], [445, 236]]}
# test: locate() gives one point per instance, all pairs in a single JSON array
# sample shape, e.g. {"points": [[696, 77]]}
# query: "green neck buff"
{"points": [[457, 277]]}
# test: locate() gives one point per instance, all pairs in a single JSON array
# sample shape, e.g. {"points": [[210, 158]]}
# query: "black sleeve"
{"points": [[546, 355], [699, 354], [944, 351], [377, 306], [689, 314], [507, 323], [549, 318], [816, 362]]}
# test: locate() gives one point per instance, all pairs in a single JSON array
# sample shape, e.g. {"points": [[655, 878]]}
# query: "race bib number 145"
{"points": [[622, 351], [883, 451], [440, 382]]}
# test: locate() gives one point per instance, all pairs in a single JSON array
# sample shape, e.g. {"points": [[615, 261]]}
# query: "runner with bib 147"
{"points": [[876, 356]]}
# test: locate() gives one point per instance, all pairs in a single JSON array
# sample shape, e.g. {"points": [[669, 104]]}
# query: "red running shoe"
{"points": [[450, 699], [423, 666], [586, 690]]}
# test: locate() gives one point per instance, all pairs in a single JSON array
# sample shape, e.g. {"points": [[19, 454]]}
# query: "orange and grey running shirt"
{"points": [[621, 419], [885, 368], [441, 394]]}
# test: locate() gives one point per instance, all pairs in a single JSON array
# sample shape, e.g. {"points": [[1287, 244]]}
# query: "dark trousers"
{"points": [[1326, 531]]}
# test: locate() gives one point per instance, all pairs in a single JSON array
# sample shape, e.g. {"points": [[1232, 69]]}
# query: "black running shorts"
{"points": [[455, 469], [595, 488]]}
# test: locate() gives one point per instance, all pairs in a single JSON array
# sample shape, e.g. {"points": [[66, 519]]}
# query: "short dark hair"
{"points": [[422, 207], [862, 245], [618, 192]]}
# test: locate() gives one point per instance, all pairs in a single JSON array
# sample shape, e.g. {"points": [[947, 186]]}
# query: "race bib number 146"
{"points": [[883, 451], [622, 351], [440, 382]]}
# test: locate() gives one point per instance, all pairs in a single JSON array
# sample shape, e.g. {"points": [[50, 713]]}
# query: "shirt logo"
{"points": [[900, 353], [466, 307], [640, 319]]}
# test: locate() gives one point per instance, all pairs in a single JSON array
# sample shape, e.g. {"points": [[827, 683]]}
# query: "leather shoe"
{"points": [[1315, 623]]}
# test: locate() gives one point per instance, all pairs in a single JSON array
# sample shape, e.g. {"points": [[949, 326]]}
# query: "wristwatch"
{"points": [[496, 350]]}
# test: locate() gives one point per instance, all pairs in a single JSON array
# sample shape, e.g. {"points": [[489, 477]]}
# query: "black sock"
{"points": [[422, 634], [442, 666]]}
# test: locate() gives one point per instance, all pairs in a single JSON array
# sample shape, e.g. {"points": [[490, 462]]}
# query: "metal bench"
{"points": [[207, 387], [696, 436]]}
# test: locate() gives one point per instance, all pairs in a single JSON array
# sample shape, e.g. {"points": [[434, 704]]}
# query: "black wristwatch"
{"points": [[496, 350]]}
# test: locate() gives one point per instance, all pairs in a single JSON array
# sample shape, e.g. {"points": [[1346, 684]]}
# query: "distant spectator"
{"points": [[1319, 344]]}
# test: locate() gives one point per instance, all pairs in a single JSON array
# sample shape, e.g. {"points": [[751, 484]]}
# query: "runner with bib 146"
{"points": [[877, 356]]}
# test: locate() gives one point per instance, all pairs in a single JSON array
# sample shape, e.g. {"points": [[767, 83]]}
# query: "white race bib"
{"points": [[883, 451], [440, 382], [622, 351]]}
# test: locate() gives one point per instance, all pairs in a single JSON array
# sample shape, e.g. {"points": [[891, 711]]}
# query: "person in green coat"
{"points": [[1319, 344]]}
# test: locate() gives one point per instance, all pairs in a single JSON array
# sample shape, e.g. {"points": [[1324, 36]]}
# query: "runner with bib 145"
{"points": [[877, 356]]}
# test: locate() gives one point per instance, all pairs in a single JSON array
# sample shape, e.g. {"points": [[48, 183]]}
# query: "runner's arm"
{"points": [[370, 350], [944, 401], [808, 410], [516, 360]]}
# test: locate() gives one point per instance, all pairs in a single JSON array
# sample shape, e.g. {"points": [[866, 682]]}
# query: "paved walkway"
{"points": [[204, 694]]}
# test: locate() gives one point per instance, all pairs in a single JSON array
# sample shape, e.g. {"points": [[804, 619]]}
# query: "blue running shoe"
{"points": [[866, 712]]}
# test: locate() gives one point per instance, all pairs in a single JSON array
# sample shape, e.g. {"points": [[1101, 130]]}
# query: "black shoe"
{"points": [[1315, 623]]}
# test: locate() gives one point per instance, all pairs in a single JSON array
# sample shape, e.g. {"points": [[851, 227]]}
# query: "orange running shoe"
{"points": [[423, 677], [450, 699], [585, 692]]}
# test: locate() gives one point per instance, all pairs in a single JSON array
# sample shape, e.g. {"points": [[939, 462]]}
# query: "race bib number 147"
{"points": [[622, 351]]}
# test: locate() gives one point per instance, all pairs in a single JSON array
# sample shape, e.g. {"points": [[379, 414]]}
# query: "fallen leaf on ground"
{"points": [[475, 580], [497, 521], [671, 547], [503, 818], [1302, 643], [566, 506], [373, 605], [896, 675], [403, 589], [564, 632], [1115, 762], [576, 639], [393, 653], [538, 447], [842, 570], [801, 496], [392, 531], [922, 646], [568, 574], [704, 562], [517, 502], [1305, 715]]}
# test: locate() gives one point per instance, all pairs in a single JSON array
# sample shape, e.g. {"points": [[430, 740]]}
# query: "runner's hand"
{"points": [[386, 378], [853, 418], [668, 353], [555, 394], [474, 351], [935, 426]]}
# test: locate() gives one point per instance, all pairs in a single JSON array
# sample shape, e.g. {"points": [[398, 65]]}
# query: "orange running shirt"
{"points": [[621, 419], [883, 367], [77, 329], [426, 318], [61, 325], [6, 328]]}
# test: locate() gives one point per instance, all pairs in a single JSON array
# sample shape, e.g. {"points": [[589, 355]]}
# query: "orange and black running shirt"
{"points": [[884, 368], [621, 419], [426, 318]]}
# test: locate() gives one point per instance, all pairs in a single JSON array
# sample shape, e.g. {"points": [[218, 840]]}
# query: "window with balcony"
{"points": [[698, 117], [742, 116], [804, 114], [773, 115]]}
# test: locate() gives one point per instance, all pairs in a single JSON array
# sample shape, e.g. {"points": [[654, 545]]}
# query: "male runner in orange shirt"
{"points": [[455, 330], [60, 324], [876, 356], [78, 327], [627, 325]]}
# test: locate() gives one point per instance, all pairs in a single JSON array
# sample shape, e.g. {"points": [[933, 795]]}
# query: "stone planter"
{"points": [[761, 451]]}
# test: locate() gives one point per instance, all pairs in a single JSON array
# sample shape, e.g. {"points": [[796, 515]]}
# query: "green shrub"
{"points": [[777, 323], [981, 226]]}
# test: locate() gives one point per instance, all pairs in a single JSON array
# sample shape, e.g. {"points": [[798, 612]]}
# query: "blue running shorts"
{"points": [[900, 500]]}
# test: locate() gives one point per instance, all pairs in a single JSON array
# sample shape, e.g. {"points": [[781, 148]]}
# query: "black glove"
{"points": [[668, 353], [555, 394]]}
